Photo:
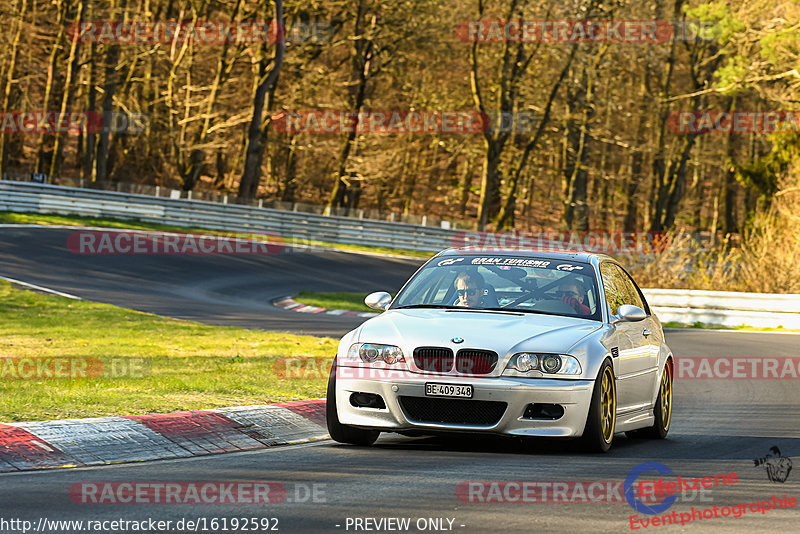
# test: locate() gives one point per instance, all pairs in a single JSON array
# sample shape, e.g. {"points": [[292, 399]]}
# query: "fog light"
{"points": [[367, 400], [543, 411]]}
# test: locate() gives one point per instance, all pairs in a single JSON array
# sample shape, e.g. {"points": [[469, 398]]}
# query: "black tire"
{"points": [[662, 411], [598, 435], [338, 431]]}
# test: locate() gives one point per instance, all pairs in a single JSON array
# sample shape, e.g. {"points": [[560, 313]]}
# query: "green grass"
{"points": [[336, 300], [698, 324], [134, 224], [187, 365]]}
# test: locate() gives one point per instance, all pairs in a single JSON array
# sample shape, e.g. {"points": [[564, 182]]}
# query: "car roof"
{"points": [[554, 254]]}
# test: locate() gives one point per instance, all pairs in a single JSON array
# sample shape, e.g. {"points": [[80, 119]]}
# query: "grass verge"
{"points": [[134, 224], [180, 365], [337, 300], [672, 324]]}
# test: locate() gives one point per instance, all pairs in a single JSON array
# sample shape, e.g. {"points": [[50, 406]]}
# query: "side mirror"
{"points": [[628, 313], [379, 300]]}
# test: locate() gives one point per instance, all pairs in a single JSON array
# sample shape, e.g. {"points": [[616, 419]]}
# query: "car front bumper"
{"points": [[573, 395]]}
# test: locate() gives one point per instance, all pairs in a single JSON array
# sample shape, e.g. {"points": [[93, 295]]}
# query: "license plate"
{"points": [[447, 390]]}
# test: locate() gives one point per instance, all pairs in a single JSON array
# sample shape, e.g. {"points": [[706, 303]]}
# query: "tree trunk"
{"points": [[659, 164], [9, 81], [66, 98], [109, 87], [729, 188], [61, 10], [466, 184], [258, 128], [289, 187], [636, 175]]}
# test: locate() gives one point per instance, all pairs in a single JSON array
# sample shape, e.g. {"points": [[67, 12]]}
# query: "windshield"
{"points": [[513, 283]]}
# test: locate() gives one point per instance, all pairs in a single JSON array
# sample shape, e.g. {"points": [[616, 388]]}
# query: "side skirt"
{"points": [[634, 420]]}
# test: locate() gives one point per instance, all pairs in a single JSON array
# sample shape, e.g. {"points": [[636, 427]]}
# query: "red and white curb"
{"points": [[287, 303], [135, 438]]}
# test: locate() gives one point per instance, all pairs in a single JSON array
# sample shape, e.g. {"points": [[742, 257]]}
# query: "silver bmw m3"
{"points": [[527, 344]]}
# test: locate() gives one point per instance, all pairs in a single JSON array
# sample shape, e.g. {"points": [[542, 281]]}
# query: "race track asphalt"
{"points": [[230, 290], [719, 426]]}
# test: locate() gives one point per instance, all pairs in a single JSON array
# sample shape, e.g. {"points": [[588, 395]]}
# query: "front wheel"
{"points": [[338, 431], [601, 422], [662, 412]]}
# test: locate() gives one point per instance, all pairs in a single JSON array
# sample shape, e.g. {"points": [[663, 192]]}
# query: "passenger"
{"points": [[571, 291], [471, 290]]}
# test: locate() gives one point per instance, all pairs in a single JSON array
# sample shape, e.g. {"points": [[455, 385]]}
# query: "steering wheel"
{"points": [[538, 292], [520, 300]]}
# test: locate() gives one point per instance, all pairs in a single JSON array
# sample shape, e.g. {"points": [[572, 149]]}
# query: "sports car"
{"points": [[527, 344]]}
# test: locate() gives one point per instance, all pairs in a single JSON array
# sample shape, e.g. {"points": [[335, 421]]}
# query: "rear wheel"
{"points": [[601, 422], [338, 431], [662, 412]]}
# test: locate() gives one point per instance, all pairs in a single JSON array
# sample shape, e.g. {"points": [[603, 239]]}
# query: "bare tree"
{"points": [[263, 92]]}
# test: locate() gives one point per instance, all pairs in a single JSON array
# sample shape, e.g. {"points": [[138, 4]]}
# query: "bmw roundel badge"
{"points": [[457, 340]]}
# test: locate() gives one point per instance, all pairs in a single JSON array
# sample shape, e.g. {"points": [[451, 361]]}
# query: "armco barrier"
{"points": [[725, 308], [39, 198], [682, 306]]}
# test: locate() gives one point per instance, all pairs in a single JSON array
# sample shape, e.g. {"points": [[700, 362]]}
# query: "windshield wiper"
{"points": [[445, 306], [518, 310]]}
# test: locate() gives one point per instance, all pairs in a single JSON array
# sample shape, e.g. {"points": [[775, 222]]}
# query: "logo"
{"points": [[629, 488], [449, 262], [457, 340], [778, 466], [568, 267]]}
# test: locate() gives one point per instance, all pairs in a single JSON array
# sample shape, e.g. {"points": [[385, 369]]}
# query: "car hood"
{"points": [[501, 332]]}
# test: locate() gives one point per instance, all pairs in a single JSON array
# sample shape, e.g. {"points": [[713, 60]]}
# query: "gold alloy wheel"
{"points": [[666, 398], [608, 405]]}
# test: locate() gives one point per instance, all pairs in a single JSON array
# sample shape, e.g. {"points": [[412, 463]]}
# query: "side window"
{"points": [[613, 286], [632, 294]]}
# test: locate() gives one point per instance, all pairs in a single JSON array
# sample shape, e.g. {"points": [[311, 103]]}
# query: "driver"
{"points": [[571, 291], [470, 288]]}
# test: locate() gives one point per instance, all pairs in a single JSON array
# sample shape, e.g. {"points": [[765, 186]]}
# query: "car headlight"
{"points": [[374, 352], [548, 364]]}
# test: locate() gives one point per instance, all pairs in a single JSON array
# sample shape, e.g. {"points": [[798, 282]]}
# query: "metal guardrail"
{"points": [[289, 225], [683, 306], [725, 308]]}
